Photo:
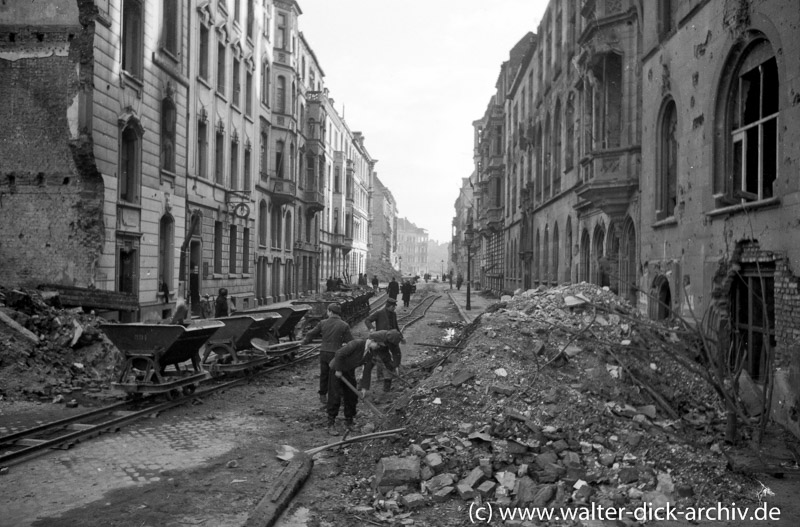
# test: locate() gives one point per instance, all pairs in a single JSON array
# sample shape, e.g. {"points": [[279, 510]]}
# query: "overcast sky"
{"points": [[412, 75]]}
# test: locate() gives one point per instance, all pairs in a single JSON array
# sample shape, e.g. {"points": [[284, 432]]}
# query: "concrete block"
{"points": [[394, 471], [473, 478]]}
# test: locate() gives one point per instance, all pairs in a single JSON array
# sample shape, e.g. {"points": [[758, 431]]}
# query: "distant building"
{"points": [[412, 248], [384, 216]]}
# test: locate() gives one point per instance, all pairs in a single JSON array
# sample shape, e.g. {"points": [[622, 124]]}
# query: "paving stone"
{"points": [[473, 478], [443, 494], [394, 471], [413, 501], [465, 491], [486, 488]]}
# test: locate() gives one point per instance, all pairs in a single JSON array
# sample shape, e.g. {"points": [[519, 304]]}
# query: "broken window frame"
{"points": [[745, 319], [667, 170]]}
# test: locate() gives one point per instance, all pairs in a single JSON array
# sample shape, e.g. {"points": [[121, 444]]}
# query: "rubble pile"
{"points": [[47, 351], [563, 397]]}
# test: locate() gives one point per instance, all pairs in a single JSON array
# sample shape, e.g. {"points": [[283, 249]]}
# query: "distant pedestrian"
{"points": [[375, 283], [335, 332], [221, 308], [459, 281], [205, 307], [393, 289], [406, 291]]}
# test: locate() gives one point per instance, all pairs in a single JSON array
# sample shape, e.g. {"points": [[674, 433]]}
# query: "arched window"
{"points": [[280, 94], [747, 121], [262, 223], [599, 264], [539, 156], [667, 173], [555, 246], [275, 227], [569, 119], [168, 120], [557, 148], [537, 251], [130, 162], [546, 155], [265, 72], [585, 261], [546, 255], [288, 234], [568, 251], [279, 161], [166, 250]]}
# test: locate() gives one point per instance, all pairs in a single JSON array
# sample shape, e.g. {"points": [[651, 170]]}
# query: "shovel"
{"points": [[368, 403]]}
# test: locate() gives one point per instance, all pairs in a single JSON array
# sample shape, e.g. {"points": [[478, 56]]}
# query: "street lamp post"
{"points": [[441, 276], [400, 264], [469, 235]]}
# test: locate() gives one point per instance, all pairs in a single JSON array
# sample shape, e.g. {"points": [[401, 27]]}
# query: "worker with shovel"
{"points": [[342, 387], [334, 332]]}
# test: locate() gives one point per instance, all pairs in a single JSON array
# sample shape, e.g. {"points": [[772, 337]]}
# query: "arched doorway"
{"points": [[276, 280], [585, 257], [660, 299]]}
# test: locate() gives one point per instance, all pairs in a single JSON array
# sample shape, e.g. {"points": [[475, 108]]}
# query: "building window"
{"points": [[288, 233], [265, 83], [250, 19], [132, 28], [202, 149], [166, 237], [337, 180], [279, 146], [262, 223], [557, 149], [204, 39], [171, 27], [248, 93], [275, 227], [555, 247], [221, 68], [236, 80], [336, 221], [667, 184], [546, 255], [168, 121], [569, 118], [280, 32], [280, 94], [568, 251], [248, 180], [232, 249], [753, 117], [237, 11], [262, 154], [219, 157], [664, 15], [245, 250], [218, 247], [266, 6], [130, 163], [235, 164], [753, 317], [127, 264], [609, 106]]}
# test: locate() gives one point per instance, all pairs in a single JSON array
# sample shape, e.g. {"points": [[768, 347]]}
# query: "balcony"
{"points": [[314, 200], [610, 179], [282, 191], [494, 219], [335, 240]]}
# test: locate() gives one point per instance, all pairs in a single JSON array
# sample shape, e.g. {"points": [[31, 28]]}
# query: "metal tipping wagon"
{"points": [[291, 315], [149, 348], [231, 344], [353, 308]]}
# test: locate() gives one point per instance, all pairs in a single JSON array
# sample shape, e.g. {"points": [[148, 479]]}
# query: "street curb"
{"points": [[281, 492], [466, 316]]}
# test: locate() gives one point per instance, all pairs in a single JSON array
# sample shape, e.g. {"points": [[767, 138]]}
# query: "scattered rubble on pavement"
{"points": [[47, 352], [561, 398]]}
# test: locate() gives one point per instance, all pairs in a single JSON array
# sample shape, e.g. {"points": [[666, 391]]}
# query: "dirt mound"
{"points": [[46, 350]]}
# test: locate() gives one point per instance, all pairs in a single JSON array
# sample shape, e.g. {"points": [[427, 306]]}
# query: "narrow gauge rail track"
{"points": [[20, 446], [408, 318]]}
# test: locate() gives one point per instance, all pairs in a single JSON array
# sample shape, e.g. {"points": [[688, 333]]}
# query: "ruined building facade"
{"points": [[650, 147], [159, 150]]}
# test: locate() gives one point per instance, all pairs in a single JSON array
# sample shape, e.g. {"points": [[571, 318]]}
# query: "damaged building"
{"points": [[649, 147]]}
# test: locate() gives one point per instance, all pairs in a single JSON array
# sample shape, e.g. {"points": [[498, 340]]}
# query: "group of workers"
{"points": [[341, 354]]}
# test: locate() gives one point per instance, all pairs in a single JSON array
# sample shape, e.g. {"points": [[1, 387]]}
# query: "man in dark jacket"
{"points": [[335, 332], [393, 289], [384, 320], [359, 352], [221, 305], [406, 290], [375, 283]]}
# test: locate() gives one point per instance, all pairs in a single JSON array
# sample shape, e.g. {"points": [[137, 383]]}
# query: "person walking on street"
{"points": [[393, 289], [375, 282], [221, 308], [205, 307], [459, 281], [359, 352], [334, 332], [406, 291], [384, 320]]}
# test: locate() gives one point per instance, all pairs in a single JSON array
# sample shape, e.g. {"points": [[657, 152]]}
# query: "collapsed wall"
{"points": [[51, 193]]}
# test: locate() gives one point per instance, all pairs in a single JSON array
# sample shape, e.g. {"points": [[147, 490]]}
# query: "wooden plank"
{"points": [[280, 493], [10, 322]]}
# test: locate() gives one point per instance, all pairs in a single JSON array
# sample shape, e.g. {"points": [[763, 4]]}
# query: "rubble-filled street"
{"points": [[562, 399]]}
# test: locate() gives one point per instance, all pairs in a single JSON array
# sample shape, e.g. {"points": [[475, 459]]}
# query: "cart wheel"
{"points": [[172, 395], [189, 390]]}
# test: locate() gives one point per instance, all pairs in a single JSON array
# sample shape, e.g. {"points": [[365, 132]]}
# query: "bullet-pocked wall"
{"points": [[51, 194]]}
